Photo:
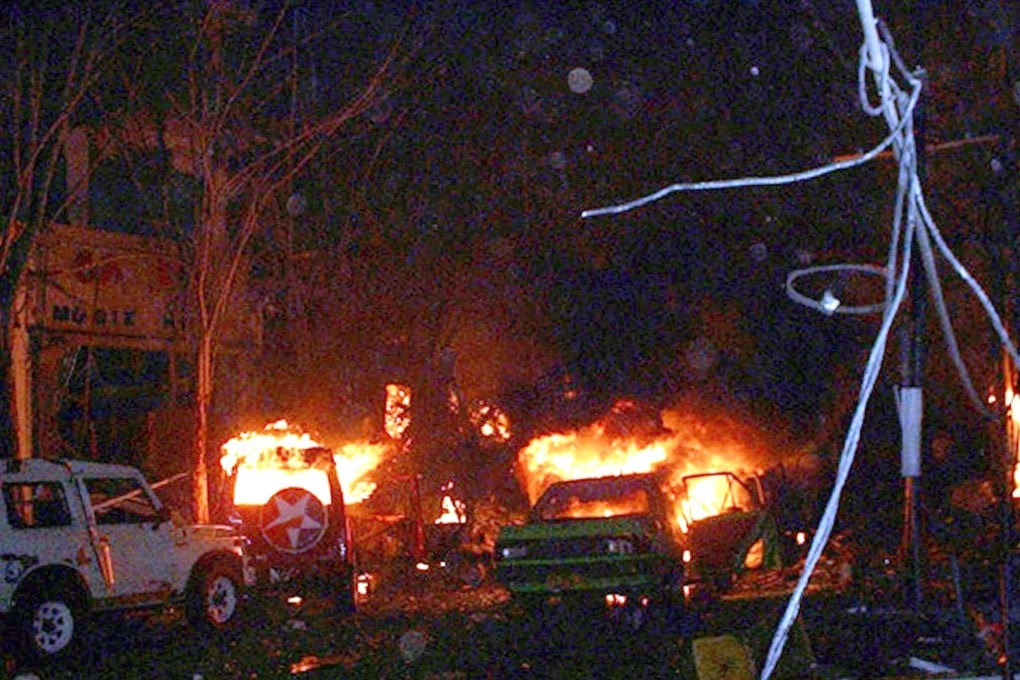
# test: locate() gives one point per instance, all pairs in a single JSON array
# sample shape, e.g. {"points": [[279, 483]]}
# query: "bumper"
{"points": [[644, 574]]}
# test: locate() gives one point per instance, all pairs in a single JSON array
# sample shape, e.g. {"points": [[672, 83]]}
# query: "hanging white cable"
{"points": [[742, 182], [898, 111], [876, 56], [962, 272], [846, 459], [834, 306], [948, 334], [924, 244], [907, 179]]}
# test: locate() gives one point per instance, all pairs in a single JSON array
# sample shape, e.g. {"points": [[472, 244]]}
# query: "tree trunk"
{"points": [[203, 400]]}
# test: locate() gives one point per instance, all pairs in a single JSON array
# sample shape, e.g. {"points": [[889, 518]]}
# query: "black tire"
{"points": [[633, 616], [51, 623], [213, 598], [345, 600], [531, 605]]}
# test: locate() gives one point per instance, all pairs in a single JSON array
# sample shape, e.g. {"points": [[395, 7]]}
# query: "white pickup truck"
{"points": [[78, 538]]}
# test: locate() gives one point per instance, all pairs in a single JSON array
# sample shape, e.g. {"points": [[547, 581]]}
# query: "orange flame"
{"points": [[582, 454], [708, 497], [264, 462], [453, 510], [353, 462], [1013, 434], [685, 444], [398, 410]]}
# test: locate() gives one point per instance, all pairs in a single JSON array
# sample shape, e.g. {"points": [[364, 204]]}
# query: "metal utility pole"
{"points": [[910, 401], [910, 407]]}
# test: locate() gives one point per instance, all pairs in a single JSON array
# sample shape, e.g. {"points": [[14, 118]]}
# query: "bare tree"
{"points": [[245, 154], [54, 60]]}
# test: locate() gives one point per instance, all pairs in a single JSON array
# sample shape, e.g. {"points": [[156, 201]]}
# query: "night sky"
{"points": [[687, 294]]}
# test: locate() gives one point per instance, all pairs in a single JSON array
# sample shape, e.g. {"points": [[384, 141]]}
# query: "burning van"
{"points": [[287, 499]]}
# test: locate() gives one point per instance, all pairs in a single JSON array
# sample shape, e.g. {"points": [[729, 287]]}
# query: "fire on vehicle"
{"points": [[289, 498], [633, 516]]}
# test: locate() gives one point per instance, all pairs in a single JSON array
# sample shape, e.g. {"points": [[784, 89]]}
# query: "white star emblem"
{"points": [[296, 520]]}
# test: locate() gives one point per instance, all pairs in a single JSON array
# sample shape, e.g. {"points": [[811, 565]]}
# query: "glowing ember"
{"points": [[398, 409], [1013, 434], [492, 423], [266, 462], [453, 511]]}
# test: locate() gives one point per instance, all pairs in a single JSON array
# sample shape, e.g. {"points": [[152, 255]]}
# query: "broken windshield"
{"points": [[593, 498]]}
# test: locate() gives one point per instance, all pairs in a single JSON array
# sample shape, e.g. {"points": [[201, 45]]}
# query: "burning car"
{"points": [[605, 540], [288, 501], [636, 539]]}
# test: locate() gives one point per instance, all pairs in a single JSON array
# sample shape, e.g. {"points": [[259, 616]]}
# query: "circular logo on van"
{"points": [[293, 520]]}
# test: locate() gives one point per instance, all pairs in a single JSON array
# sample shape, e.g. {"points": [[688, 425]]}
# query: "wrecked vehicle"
{"points": [[633, 540], [729, 529], [288, 503], [78, 538], [609, 541]]}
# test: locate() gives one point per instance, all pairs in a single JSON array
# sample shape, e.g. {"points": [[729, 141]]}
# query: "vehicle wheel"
{"points": [[50, 624], [472, 574], [213, 599], [632, 617], [341, 589], [345, 600]]}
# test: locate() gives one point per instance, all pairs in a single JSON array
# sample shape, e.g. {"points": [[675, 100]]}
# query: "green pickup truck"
{"points": [[617, 541]]}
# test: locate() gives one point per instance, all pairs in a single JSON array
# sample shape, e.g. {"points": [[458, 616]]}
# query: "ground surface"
{"points": [[441, 629]]}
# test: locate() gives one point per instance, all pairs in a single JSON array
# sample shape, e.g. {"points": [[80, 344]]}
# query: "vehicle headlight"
{"points": [[513, 552], [619, 546]]}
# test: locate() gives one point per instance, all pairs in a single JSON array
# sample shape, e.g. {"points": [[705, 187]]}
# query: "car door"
{"points": [[131, 526], [727, 526], [46, 527]]}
